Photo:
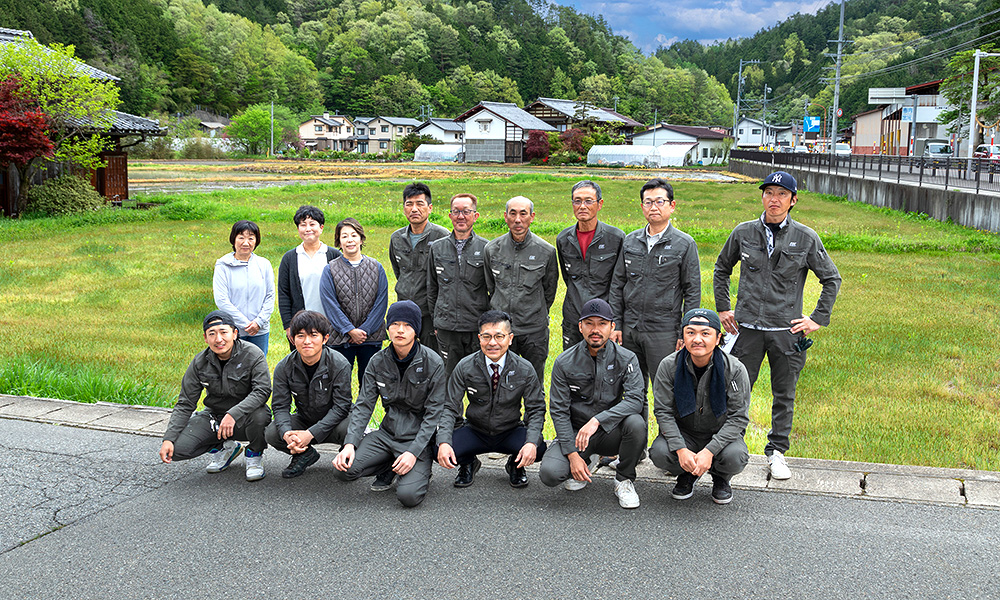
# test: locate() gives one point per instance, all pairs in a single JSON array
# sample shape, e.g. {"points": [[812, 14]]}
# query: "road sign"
{"points": [[907, 114], [840, 112]]}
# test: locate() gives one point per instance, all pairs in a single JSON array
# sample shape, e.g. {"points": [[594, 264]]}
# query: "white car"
{"points": [[842, 149]]}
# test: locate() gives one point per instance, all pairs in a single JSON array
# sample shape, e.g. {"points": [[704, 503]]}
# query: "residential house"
{"points": [[497, 131], [697, 145], [567, 114], [379, 134], [328, 132], [111, 181], [752, 133], [362, 134], [446, 131]]}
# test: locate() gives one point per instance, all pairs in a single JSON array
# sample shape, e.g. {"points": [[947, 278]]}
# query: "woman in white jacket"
{"points": [[244, 285]]}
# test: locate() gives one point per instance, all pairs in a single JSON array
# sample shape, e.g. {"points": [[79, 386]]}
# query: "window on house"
{"points": [[399, 130], [755, 132], [409, 130], [741, 132], [704, 152], [348, 129], [336, 129], [371, 131], [484, 126], [318, 128], [383, 145], [385, 129]]}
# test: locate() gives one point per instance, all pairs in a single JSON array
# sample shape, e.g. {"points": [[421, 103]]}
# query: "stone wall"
{"points": [[979, 211], [484, 150]]}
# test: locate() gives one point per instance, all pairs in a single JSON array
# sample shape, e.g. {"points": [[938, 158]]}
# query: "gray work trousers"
{"points": [[571, 335], [534, 348], [628, 441], [650, 347], [453, 346], [198, 436], [728, 462], [278, 443], [427, 337], [376, 452], [786, 363]]}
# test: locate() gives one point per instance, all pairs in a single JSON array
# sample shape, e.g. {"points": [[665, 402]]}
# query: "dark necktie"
{"points": [[496, 376]]}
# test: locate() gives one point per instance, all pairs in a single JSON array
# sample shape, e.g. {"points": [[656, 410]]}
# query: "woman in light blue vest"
{"points": [[244, 285]]}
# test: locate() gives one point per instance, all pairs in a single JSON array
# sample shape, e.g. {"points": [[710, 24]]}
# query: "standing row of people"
{"points": [[648, 279]]}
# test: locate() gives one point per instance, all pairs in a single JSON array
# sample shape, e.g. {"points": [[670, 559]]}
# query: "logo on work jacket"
{"points": [[532, 257], [477, 253], [791, 244], [600, 246]]}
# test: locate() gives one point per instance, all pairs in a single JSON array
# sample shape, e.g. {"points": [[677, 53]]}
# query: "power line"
{"points": [[928, 38]]}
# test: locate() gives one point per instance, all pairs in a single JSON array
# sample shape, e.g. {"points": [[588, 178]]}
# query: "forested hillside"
{"points": [[366, 57], [895, 43]]}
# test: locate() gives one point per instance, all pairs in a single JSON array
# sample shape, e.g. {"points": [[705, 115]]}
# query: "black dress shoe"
{"points": [[467, 473], [300, 462], [518, 478]]}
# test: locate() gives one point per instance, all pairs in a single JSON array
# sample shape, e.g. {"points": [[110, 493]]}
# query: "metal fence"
{"points": [[971, 174]]}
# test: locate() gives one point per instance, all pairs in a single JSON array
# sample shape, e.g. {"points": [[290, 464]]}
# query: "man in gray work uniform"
{"points": [[317, 379], [775, 255], [409, 378], [588, 252], [701, 399], [456, 283], [596, 401], [522, 275], [409, 250], [656, 280], [233, 374]]}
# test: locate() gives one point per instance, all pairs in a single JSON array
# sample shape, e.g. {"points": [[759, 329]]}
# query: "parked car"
{"points": [[842, 149], [936, 153], [984, 153], [801, 149]]}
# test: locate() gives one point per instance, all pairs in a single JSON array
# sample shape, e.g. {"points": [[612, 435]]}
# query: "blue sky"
{"points": [[652, 23]]}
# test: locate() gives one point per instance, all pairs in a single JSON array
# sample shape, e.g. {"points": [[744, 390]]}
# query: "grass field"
{"points": [[107, 306]]}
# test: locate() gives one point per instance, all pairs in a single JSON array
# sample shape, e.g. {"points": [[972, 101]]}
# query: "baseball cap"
{"points": [[596, 308], [701, 314], [217, 317], [782, 179]]}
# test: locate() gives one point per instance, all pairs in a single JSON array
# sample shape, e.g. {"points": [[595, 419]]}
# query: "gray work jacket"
{"points": [[587, 278], [702, 423], [489, 412], [412, 404], [456, 289], [652, 289], [608, 388], [410, 264], [522, 279], [770, 288], [239, 388], [323, 401]]}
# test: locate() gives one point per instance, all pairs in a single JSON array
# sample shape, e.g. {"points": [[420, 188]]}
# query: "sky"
{"points": [[652, 23]]}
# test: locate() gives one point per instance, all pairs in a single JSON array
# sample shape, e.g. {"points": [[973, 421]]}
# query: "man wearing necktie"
{"points": [[497, 384]]}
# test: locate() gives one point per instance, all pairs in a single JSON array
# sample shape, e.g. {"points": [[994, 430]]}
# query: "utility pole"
{"points": [[739, 93], [763, 118], [656, 116], [975, 94], [805, 117], [272, 129], [616, 99], [836, 86]]}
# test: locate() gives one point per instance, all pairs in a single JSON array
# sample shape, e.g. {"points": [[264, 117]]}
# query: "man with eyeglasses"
{"points": [[596, 401], [456, 283], [409, 249], [497, 384], [775, 255], [657, 279], [522, 274], [588, 252]]}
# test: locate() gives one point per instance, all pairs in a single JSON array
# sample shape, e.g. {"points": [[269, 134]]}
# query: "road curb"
{"points": [[810, 476]]}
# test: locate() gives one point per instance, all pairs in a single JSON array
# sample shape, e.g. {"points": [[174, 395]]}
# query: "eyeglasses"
{"points": [[657, 202], [587, 202], [497, 337], [468, 212]]}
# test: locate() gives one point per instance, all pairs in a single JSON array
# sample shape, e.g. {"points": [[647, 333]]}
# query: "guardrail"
{"points": [[970, 174]]}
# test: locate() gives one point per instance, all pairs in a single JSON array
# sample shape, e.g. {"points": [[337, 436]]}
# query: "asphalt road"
{"points": [[120, 525]]}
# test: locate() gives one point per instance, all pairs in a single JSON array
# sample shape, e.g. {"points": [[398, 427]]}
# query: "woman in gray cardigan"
{"points": [[244, 285]]}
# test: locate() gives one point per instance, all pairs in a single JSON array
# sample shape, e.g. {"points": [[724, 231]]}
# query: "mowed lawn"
{"points": [[109, 306]]}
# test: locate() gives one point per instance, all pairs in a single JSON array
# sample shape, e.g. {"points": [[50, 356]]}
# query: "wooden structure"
{"points": [[569, 114], [496, 132]]}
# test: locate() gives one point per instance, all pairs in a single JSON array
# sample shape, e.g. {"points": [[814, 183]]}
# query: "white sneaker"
{"points": [[779, 468], [221, 459], [625, 490], [255, 467], [572, 485]]}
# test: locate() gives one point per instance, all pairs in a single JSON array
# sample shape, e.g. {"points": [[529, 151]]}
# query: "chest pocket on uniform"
{"points": [[791, 262], [581, 386], [601, 266], [531, 274], [444, 268], [752, 256]]}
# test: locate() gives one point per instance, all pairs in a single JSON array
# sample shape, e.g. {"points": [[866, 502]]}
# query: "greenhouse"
{"points": [[664, 155], [437, 153]]}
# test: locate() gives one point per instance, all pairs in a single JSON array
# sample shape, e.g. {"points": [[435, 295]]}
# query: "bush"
{"points": [[64, 195], [537, 147], [158, 147], [199, 148]]}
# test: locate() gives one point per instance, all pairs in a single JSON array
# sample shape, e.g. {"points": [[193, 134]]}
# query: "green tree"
{"points": [[957, 88], [251, 129], [78, 106]]}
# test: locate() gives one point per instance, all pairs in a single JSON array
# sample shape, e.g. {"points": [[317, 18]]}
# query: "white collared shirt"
{"points": [[310, 272], [490, 361], [651, 239]]}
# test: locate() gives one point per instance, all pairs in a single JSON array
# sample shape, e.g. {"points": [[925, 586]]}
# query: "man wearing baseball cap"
{"points": [[596, 399], [234, 376], [409, 379], [775, 254], [701, 400]]}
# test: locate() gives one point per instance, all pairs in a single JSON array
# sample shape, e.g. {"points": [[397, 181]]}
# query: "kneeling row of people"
{"points": [[596, 401]]}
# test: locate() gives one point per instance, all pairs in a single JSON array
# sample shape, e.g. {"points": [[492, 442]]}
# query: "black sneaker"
{"points": [[300, 462], [685, 487], [383, 481], [721, 492]]}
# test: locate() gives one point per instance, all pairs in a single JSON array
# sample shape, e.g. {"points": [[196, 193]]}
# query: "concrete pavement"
{"points": [[873, 481]]}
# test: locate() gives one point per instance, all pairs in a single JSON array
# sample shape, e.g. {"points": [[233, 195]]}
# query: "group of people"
{"points": [[468, 341]]}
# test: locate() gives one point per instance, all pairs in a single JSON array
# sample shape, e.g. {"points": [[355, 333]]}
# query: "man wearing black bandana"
{"points": [[701, 400]]}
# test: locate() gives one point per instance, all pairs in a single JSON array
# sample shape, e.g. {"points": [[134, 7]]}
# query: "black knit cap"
{"points": [[406, 311]]}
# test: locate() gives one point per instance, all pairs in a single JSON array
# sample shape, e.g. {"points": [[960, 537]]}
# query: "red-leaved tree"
{"points": [[23, 127], [537, 146], [572, 140]]}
